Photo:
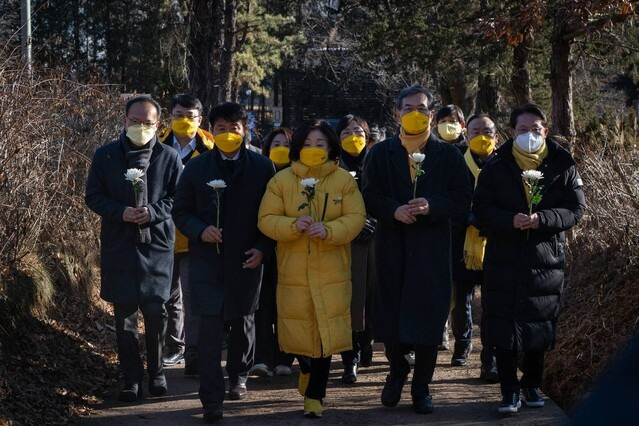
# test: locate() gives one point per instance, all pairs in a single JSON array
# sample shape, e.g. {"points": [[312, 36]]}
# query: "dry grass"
{"points": [[600, 306]]}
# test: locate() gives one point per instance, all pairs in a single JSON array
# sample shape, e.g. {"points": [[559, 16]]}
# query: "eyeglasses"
{"points": [[184, 116], [144, 123], [535, 129]]}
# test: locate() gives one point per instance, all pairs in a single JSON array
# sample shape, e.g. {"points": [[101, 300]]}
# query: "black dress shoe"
{"points": [[157, 385], [423, 404], [392, 392], [366, 356], [213, 413], [130, 393], [237, 391], [350, 374], [172, 358]]}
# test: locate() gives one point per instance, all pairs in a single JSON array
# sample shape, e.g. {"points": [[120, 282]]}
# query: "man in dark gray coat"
{"points": [[525, 251], [131, 185], [413, 185], [216, 207]]}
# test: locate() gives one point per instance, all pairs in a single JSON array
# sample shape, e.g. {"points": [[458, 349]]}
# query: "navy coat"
{"points": [[412, 296], [133, 272], [524, 276], [219, 285]]}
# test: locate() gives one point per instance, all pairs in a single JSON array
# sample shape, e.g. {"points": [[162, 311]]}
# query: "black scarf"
{"points": [[138, 158]]}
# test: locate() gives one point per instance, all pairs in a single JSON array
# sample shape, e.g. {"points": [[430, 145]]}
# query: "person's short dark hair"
{"points": [[526, 109], [142, 99], [479, 115], [302, 131], [413, 90], [229, 111], [185, 100], [347, 119], [266, 144], [450, 110]]}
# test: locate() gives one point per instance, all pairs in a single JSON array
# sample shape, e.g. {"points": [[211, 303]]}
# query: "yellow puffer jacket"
{"points": [[203, 142], [314, 289]]}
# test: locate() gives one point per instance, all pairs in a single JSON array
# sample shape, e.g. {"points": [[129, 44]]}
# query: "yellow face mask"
{"points": [[415, 122], [279, 155], [449, 131], [313, 156], [354, 144], [184, 126], [482, 145], [228, 142]]}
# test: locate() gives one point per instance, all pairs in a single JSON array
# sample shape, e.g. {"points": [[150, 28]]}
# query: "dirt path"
{"points": [[460, 399]]}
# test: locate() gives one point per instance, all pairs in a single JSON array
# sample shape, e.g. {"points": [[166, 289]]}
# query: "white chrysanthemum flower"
{"points": [[309, 182], [217, 184], [133, 175], [532, 175], [418, 157]]}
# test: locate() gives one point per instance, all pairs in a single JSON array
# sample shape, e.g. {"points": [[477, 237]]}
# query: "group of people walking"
{"points": [[326, 240]]}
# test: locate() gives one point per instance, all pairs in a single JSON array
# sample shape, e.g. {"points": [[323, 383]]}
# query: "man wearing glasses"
{"points": [[413, 184], [189, 140], [525, 250], [131, 185]]}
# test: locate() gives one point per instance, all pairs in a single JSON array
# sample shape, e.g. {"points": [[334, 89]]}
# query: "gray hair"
{"points": [[413, 90]]}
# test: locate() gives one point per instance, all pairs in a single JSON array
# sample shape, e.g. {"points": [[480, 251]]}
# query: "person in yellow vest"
{"points": [[186, 137], [526, 198], [468, 249], [313, 210]]}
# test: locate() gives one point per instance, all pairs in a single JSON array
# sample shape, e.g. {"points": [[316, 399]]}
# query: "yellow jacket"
{"points": [[203, 142], [314, 289]]}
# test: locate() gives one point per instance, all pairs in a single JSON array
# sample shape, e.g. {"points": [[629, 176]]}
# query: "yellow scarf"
{"points": [[474, 244], [529, 160], [412, 144]]}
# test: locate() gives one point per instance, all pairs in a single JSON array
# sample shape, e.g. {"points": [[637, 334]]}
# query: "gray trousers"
{"points": [[126, 332], [182, 327]]}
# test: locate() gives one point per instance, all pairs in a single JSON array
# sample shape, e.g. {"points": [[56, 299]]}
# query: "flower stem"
{"points": [[217, 192]]}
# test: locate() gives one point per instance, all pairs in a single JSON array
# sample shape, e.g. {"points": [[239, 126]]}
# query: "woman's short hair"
{"points": [[266, 144], [450, 110], [301, 132]]}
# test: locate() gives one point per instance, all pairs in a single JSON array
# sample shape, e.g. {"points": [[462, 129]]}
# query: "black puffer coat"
{"points": [[524, 275]]}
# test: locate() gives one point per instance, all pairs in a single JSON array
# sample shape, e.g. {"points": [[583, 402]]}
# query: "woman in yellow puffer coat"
{"points": [[313, 253]]}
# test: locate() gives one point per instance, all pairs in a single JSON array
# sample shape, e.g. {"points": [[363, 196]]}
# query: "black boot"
{"points": [[350, 374]]}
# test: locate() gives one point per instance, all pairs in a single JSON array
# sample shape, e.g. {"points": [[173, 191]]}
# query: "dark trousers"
{"points": [[267, 348], [425, 361], [239, 359], [533, 369], [319, 368], [462, 314], [126, 332], [174, 340], [361, 339]]}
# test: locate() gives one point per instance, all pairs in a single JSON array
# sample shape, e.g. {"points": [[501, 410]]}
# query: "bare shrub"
{"points": [[600, 306], [50, 126]]}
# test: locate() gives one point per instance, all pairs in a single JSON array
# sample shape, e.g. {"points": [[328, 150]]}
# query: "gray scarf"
{"points": [[138, 158]]}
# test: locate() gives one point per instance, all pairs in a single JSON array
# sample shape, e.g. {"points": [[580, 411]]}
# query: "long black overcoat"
{"points": [[219, 284], [524, 272], [412, 296], [132, 272]]}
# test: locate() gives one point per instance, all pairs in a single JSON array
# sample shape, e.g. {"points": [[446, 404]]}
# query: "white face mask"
{"points": [[139, 134], [530, 141]]}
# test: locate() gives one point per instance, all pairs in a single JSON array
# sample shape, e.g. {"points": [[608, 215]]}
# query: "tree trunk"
{"points": [[487, 94], [561, 66], [199, 47], [228, 49], [520, 78]]}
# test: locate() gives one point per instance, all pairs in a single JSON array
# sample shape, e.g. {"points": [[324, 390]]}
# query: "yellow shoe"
{"points": [[302, 382], [313, 408]]}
